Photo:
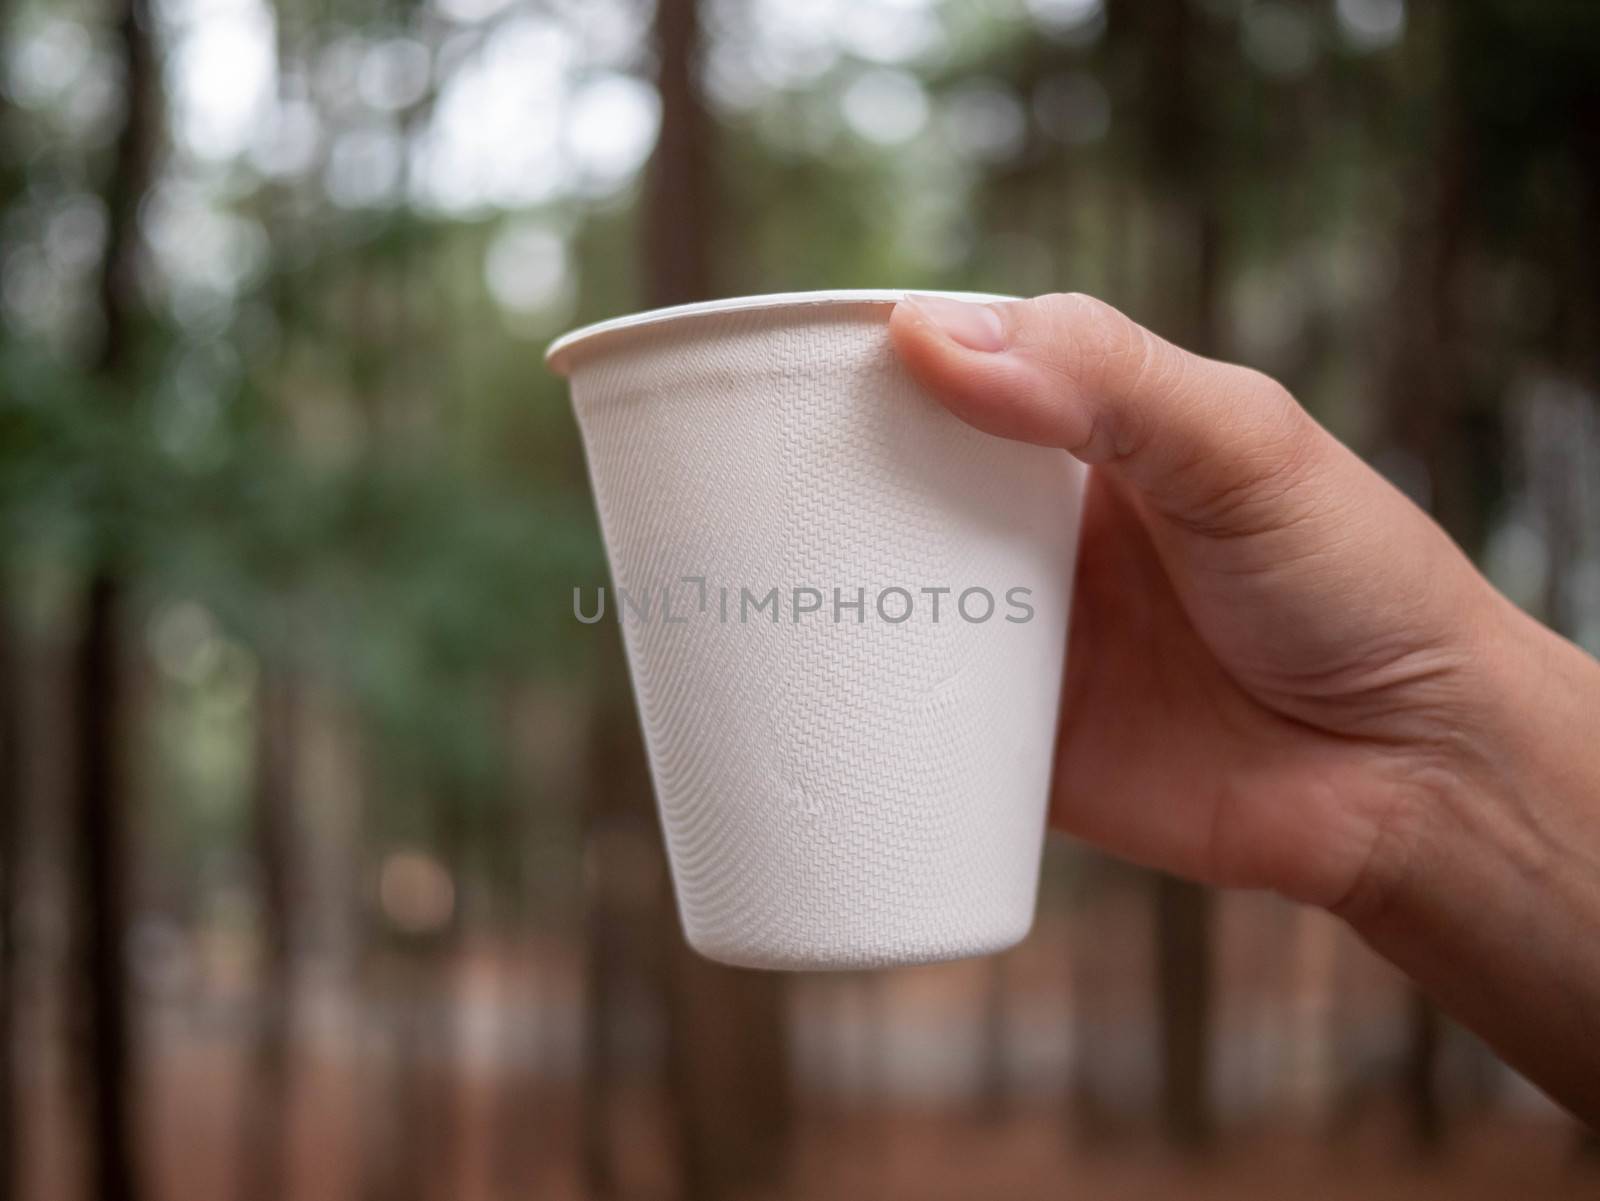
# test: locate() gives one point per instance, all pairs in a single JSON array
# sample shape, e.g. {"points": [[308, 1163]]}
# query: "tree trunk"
{"points": [[1429, 422], [1178, 146], [1424, 1112], [728, 1058], [1184, 978], [680, 198], [1091, 1121], [11, 806], [264, 1115], [728, 1065], [100, 804], [623, 917], [517, 1122], [994, 1067], [264, 1127], [100, 838], [726, 1054], [442, 1017]]}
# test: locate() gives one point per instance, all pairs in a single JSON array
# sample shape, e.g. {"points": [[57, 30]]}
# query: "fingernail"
{"points": [[975, 326]]}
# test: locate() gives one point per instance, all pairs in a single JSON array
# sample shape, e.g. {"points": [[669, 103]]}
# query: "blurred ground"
{"points": [[893, 1072]]}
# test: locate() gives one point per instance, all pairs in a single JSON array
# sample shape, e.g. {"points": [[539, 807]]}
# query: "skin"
{"points": [[1284, 675]]}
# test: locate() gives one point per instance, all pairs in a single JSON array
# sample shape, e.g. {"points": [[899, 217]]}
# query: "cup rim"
{"points": [[560, 353]]}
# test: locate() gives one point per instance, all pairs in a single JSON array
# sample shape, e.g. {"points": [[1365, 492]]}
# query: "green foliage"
{"points": [[348, 454]]}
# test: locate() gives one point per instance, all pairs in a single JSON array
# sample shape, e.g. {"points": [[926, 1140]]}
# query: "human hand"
{"points": [[1283, 674], [1273, 652]]}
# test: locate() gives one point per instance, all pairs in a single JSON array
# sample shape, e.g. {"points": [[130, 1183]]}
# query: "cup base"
{"points": [[847, 957]]}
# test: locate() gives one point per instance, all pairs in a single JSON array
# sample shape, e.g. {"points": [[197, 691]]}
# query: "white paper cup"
{"points": [[838, 788]]}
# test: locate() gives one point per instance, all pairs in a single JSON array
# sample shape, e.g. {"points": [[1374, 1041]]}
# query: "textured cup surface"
{"points": [[838, 788]]}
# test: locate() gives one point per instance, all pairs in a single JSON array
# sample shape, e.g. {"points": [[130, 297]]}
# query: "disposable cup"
{"points": [[845, 614]]}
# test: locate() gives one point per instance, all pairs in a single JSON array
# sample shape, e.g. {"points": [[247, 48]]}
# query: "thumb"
{"points": [[1209, 445]]}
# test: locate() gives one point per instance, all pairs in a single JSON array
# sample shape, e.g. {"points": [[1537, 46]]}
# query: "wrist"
{"points": [[1531, 781], [1492, 899], [1503, 786]]}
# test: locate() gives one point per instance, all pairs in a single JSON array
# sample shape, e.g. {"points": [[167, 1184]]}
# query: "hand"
{"points": [[1273, 652], [1281, 672]]}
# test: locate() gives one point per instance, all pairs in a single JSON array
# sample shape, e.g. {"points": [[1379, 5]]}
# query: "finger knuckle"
{"points": [[1271, 477], [1088, 321], [1270, 397], [1091, 339]]}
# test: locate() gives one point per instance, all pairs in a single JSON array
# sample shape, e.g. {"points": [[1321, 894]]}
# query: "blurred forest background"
{"points": [[328, 867]]}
